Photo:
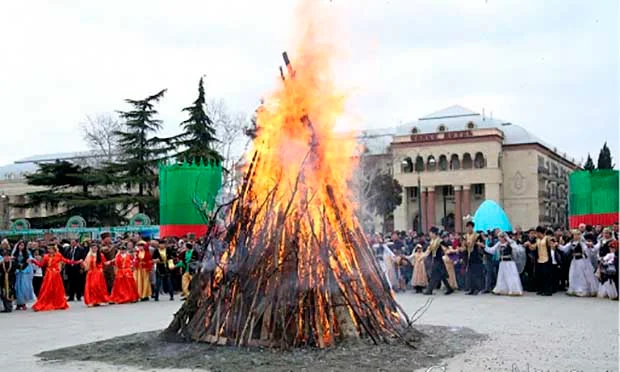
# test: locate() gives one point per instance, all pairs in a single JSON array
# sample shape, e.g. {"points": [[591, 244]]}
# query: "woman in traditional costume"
{"points": [[125, 289], [142, 274], [609, 272], [449, 257], [386, 259], [52, 292], [581, 279], [24, 292], [95, 290], [508, 280]]}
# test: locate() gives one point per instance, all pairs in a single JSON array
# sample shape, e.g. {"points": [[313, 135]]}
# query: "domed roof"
{"points": [[455, 118]]}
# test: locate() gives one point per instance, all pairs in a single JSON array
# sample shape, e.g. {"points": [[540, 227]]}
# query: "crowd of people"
{"points": [[52, 272], [581, 262]]}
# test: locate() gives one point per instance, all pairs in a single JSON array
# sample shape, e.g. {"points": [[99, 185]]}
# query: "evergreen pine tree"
{"points": [[604, 158], [69, 191], [589, 166], [139, 155], [198, 137]]}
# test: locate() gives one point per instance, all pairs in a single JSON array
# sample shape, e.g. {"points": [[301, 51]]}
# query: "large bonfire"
{"points": [[297, 270]]}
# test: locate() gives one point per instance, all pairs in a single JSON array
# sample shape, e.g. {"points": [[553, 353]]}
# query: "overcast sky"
{"points": [[550, 66]]}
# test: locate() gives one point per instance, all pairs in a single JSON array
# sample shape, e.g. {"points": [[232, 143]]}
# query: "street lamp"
{"points": [[431, 165], [4, 211]]}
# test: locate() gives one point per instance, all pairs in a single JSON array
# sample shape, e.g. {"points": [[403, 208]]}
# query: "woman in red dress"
{"points": [[125, 289], [52, 292], [95, 291]]}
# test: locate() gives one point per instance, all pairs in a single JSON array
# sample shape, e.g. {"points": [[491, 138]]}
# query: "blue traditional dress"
{"points": [[23, 281]]}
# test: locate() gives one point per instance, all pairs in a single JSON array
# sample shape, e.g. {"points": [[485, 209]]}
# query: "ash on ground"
{"points": [[149, 351]]}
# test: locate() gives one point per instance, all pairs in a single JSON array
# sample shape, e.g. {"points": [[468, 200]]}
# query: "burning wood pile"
{"points": [[297, 270]]}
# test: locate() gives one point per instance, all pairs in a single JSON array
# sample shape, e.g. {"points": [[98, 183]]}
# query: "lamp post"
{"points": [[4, 212]]}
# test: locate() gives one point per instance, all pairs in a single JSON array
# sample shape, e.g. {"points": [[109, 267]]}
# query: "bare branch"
{"points": [[99, 132]]}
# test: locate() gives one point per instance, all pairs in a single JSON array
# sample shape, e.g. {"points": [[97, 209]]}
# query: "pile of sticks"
{"points": [[294, 273]]}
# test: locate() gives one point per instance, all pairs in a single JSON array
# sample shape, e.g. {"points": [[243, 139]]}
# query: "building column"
{"points": [[430, 208], [400, 214], [458, 210], [466, 201], [424, 218], [491, 192]]}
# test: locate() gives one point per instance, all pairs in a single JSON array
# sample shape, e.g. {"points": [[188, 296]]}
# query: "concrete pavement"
{"points": [[558, 333]]}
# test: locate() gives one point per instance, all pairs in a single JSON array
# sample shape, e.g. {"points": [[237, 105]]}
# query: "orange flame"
{"points": [[303, 170]]}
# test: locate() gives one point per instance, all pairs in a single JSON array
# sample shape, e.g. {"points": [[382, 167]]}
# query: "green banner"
{"points": [[184, 189], [593, 192]]}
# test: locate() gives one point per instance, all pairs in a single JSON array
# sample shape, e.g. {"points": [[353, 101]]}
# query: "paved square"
{"points": [[558, 333]]}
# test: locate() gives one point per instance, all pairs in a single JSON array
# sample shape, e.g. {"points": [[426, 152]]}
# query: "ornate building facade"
{"points": [[450, 161]]}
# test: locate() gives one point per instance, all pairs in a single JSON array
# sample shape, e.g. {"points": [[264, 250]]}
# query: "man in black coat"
{"points": [[75, 274]]}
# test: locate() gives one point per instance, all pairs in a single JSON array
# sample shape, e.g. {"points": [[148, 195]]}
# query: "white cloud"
{"points": [[538, 64]]}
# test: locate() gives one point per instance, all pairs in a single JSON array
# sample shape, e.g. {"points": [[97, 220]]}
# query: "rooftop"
{"points": [[21, 167], [457, 118]]}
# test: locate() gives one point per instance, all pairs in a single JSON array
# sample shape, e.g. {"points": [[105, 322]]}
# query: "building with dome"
{"points": [[450, 161]]}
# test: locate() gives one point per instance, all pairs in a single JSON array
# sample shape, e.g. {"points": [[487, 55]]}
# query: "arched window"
{"points": [[414, 130], [443, 163], [407, 165], [431, 163], [467, 162], [479, 161], [471, 125], [441, 128], [419, 164], [454, 162]]}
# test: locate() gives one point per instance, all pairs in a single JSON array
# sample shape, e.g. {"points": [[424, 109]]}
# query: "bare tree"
{"points": [[230, 131], [99, 132], [370, 166]]}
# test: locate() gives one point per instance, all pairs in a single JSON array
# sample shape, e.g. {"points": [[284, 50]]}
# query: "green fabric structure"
{"points": [[593, 192], [184, 189]]}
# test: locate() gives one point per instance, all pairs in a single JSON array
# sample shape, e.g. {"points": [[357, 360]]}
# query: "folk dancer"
{"points": [[109, 253], [24, 292], [450, 253], [7, 280], [164, 265], [581, 279], [609, 273], [508, 280], [188, 265], [386, 260], [436, 250], [543, 269], [95, 291], [75, 273], [420, 280], [143, 266], [125, 289], [473, 246], [52, 292]]}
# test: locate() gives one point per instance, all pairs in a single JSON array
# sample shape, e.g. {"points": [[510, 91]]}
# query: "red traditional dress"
{"points": [[95, 291], [125, 289], [52, 292]]}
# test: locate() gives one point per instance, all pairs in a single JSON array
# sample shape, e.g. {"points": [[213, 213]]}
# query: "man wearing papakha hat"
{"points": [[438, 269], [109, 252]]}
